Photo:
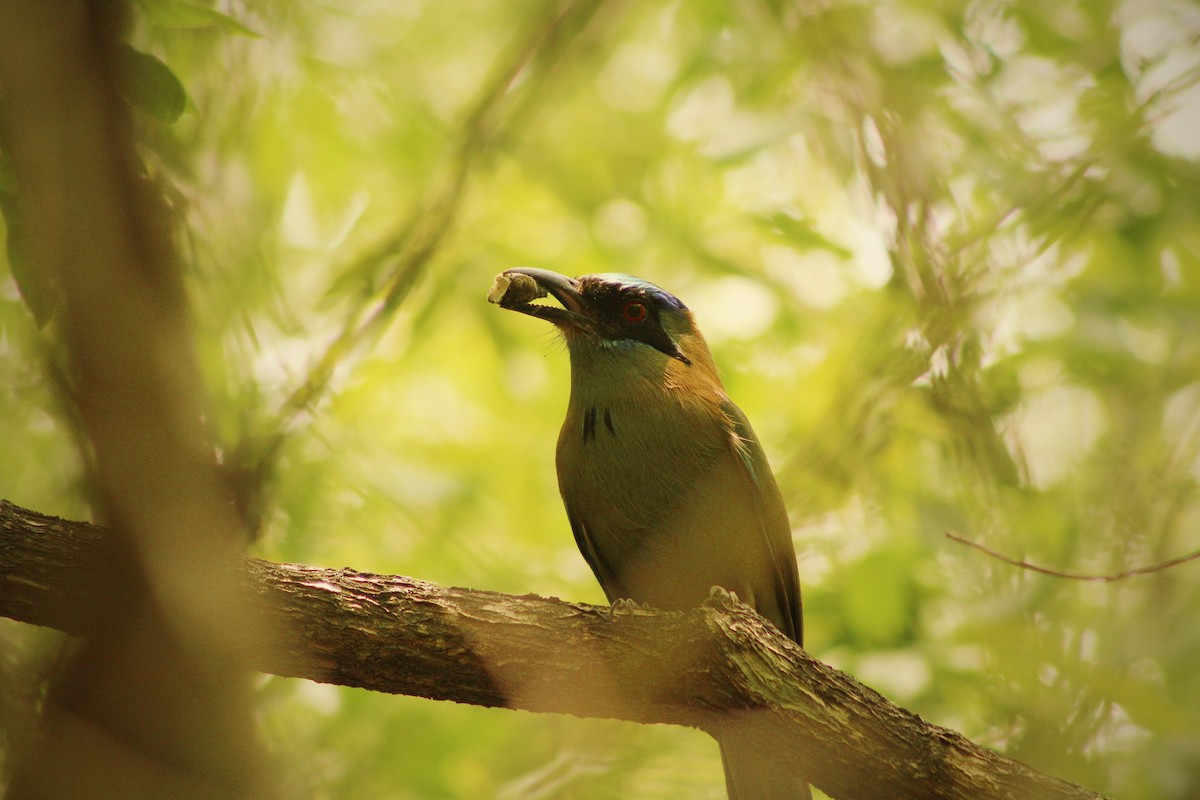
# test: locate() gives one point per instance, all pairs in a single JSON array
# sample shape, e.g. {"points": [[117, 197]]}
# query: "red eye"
{"points": [[635, 312]]}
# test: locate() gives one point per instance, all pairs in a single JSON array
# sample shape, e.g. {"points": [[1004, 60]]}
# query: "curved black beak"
{"points": [[574, 311]]}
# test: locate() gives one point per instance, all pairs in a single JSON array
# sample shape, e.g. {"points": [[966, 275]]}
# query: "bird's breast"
{"points": [[628, 461]]}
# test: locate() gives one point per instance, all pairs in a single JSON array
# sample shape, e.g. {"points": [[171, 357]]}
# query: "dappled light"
{"points": [[946, 256]]}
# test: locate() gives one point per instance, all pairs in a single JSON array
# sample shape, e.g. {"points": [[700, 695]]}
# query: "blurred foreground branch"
{"points": [[717, 668], [156, 702]]}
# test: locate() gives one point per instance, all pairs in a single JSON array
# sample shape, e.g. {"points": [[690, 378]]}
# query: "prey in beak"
{"points": [[516, 289]]}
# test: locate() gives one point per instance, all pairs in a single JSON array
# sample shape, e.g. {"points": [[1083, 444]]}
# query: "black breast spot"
{"points": [[589, 424]]}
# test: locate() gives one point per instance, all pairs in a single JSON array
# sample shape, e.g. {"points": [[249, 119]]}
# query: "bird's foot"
{"points": [[623, 605], [721, 598]]}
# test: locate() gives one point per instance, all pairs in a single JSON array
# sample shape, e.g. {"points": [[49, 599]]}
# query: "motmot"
{"points": [[666, 487]]}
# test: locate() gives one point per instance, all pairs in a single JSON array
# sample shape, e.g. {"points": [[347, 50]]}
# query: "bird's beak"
{"points": [[518, 295]]}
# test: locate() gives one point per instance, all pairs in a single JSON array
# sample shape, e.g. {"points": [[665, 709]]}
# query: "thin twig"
{"points": [[1076, 576]]}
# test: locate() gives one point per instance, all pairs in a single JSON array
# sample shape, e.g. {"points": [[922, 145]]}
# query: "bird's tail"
{"points": [[750, 775]]}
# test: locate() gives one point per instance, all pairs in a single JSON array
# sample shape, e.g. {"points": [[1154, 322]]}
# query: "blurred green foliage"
{"points": [[947, 255]]}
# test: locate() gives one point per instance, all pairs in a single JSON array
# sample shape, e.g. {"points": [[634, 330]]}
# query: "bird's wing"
{"points": [[772, 519], [603, 571]]}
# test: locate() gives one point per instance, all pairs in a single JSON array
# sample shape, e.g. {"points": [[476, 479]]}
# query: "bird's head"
{"points": [[607, 311]]}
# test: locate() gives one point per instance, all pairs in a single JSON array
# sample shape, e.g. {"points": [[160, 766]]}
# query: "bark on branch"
{"points": [[717, 668]]}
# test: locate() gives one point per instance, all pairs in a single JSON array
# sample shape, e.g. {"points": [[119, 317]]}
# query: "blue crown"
{"points": [[655, 291]]}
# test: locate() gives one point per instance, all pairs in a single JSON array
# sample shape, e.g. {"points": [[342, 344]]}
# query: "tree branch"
{"points": [[1109, 577], [719, 668]]}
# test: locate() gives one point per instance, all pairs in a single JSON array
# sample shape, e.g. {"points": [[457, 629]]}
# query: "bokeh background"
{"points": [[947, 256]]}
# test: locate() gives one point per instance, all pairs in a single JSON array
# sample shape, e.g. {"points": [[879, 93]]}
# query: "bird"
{"points": [[666, 487]]}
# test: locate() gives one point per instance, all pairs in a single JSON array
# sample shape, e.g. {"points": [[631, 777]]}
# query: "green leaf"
{"points": [[150, 86], [183, 15], [36, 292]]}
